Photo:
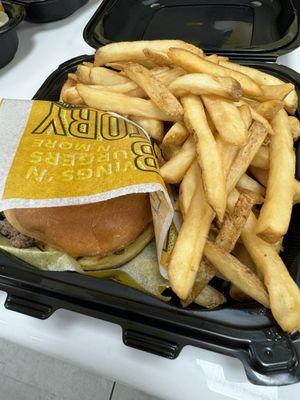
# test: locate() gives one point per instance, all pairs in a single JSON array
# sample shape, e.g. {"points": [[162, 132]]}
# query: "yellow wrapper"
{"points": [[55, 154]]}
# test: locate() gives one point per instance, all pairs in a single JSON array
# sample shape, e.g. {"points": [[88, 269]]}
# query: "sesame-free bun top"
{"points": [[101, 228]]}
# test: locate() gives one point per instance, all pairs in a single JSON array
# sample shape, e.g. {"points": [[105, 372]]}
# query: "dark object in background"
{"points": [[32, 10], [8, 33], [51, 10]]}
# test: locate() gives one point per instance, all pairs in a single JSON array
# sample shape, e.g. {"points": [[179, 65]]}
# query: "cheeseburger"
{"points": [[99, 235]]}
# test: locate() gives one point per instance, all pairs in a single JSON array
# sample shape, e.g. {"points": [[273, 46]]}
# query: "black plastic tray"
{"points": [[49, 10], [8, 34], [259, 29], [245, 331]]}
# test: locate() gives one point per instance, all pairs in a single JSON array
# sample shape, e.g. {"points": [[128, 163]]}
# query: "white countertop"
{"points": [[91, 343]]}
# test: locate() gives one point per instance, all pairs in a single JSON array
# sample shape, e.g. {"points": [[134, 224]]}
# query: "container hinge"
{"points": [[151, 344], [274, 354], [28, 307]]}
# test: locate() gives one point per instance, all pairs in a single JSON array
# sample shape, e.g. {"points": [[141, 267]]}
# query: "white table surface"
{"points": [[91, 343]]}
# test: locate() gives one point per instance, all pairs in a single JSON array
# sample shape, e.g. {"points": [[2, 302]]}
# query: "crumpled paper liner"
{"points": [[141, 273]]}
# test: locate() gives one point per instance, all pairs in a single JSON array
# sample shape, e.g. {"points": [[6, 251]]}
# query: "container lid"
{"points": [[245, 29]]}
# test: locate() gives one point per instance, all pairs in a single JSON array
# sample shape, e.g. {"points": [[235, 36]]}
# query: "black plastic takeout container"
{"points": [[49, 10], [8, 33], [246, 331]]}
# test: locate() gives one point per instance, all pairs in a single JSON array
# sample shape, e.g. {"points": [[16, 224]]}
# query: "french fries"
{"points": [[283, 291], [251, 185], [99, 76], [226, 87], [257, 134], [158, 57], [294, 125], [208, 156], [262, 158], [173, 139], [69, 93], [246, 116], [154, 127], [121, 103], [174, 170], [188, 250], [210, 298], [236, 272], [227, 141], [128, 88], [188, 187], [269, 109], [156, 90], [134, 51], [227, 120], [194, 63], [262, 78], [276, 211], [276, 92]]}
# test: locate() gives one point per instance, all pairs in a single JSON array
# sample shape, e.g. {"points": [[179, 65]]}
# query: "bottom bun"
{"points": [[96, 263]]}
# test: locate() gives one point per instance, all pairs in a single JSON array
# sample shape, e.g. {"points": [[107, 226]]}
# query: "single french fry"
{"points": [[210, 298], [276, 211], [188, 187], [276, 92], [188, 250], [72, 76], [223, 58], [227, 120], [200, 84], [120, 103], [297, 191], [158, 57], [262, 176], [153, 127], [213, 58], [208, 155], [104, 76], [133, 51], [294, 125], [237, 294], [245, 114], [226, 239], [168, 76], [234, 222], [83, 74], [88, 64], [128, 88], [268, 109], [174, 170], [69, 93], [157, 91], [99, 76], [283, 291], [193, 63], [173, 139], [257, 134], [262, 158], [243, 256], [257, 117], [236, 272], [249, 184], [262, 78], [228, 153], [68, 84]]}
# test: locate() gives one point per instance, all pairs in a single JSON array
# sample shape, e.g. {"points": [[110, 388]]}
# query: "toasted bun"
{"points": [[97, 229]]}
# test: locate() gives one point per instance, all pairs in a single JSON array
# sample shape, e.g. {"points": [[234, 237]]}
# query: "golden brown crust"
{"points": [[86, 230]]}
